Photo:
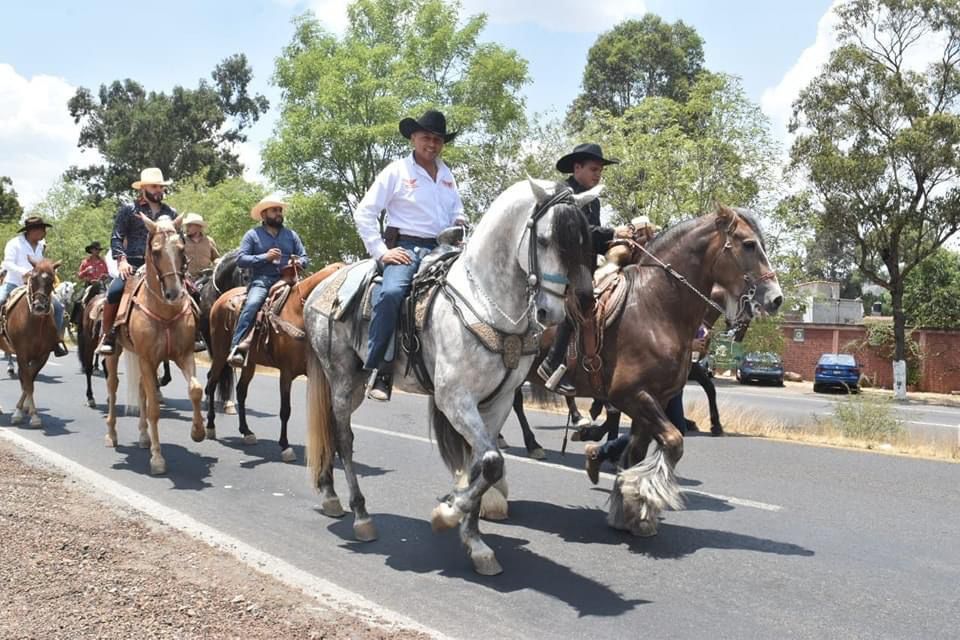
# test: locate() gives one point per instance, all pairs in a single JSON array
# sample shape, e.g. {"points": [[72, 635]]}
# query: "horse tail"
{"points": [[321, 424], [83, 343], [453, 448], [131, 364], [543, 396]]}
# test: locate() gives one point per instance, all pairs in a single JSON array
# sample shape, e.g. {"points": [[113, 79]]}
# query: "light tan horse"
{"points": [[30, 332], [160, 326]]}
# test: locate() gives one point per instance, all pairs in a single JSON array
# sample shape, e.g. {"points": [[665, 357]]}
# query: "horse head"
{"points": [[553, 247], [40, 285], [741, 268], [166, 256]]}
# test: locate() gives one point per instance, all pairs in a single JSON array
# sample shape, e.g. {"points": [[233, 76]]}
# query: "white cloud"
{"points": [[569, 16], [37, 135]]}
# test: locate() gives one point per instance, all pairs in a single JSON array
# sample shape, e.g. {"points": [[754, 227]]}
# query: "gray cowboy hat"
{"points": [[581, 152], [432, 121], [33, 222], [93, 245]]}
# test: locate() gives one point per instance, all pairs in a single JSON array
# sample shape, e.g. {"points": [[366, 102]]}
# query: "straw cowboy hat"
{"points": [[275, 199], [150, 176], [93, 245], [193, 218], [581, 152], [33, 222], [431, 121], [643, 221]]}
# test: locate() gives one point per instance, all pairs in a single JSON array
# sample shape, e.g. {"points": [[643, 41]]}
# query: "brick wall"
{"points": [[940, 372]]}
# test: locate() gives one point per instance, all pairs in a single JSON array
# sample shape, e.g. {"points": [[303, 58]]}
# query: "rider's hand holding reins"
{"points": [[397, 255], [125, 269]]}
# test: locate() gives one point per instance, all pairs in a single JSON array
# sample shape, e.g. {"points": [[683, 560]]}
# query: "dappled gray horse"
{"points": [[477, 344]]}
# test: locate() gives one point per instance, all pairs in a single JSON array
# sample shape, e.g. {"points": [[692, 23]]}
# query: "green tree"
{"points": [[10, 208], [637, 59], [682, 158], [931, 292], [343, 98], [184, 133], [878, 141], [225, 206], [764, 334]]}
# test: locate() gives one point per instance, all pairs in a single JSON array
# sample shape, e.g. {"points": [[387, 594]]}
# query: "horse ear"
{"points": [[56, 265], [32, 262], [151, 225], [538, 192], [725, 215], [586, 197], [178, 222]]}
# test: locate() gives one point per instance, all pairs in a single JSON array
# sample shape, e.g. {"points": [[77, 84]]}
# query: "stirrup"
{"points": [[237, 358], [380, 387], [554, 381], [107, 344]]}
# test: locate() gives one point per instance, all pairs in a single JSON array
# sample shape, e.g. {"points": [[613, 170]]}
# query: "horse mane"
{"points": [[669, 236]]}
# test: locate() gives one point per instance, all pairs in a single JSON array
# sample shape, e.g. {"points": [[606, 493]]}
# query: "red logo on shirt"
{"points": [[410, 183], [447, 183]]}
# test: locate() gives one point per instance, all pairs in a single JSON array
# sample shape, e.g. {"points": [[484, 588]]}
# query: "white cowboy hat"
{"points": [[150, 176], [275, 199], [193, 218], [643, 221]]}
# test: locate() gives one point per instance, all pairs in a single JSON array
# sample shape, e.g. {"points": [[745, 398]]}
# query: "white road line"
{"points": [[325, 592], [934, 424], [741, 502]]}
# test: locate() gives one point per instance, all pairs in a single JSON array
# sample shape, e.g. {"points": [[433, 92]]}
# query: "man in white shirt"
{"points": [[421, 199], [29, 242]]}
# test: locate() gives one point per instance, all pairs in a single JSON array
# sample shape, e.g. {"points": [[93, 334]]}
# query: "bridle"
{"points": [[35, 297], [179, 275]]}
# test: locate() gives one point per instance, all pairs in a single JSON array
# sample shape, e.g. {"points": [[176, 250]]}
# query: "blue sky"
{"points": [[49, 48]]}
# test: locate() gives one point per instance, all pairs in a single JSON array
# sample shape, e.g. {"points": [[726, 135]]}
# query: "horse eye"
{"points": [[543, 241], [749, 245]]}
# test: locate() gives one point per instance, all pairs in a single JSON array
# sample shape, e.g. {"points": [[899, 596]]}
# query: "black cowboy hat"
{"points": [[432, 121], [581, 152], [33, 222], [93, 245]]}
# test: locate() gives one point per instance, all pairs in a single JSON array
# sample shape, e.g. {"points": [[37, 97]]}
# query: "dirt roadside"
{"points": [[74, 566]]}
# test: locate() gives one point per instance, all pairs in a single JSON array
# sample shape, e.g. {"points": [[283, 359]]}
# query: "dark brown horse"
{"points": [[29, 331], [276, 349], [646, 352], [88, 337], [160, 326]]}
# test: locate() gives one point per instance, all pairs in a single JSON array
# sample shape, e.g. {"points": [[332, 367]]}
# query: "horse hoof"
{"points": [[198, 434], [35, 421], [230, 408], [17, 417], [144, 442], [644, 529], [288, 455], [716, 431], [158, 467], [537, 454], [583, 422], [211, 434], [332, 508], [493, 506], [249, 439], [91, 403], [364, 530], [110, 442], [486, 564], [444, 517], [501, 442]]}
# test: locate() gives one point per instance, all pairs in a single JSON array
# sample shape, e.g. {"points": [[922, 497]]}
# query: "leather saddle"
{"points": [[268, 318]]}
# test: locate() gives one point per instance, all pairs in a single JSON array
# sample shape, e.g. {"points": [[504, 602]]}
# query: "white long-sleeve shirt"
{"points": [[15, 258], [415, 204]]}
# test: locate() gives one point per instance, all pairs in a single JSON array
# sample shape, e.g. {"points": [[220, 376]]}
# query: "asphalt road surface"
{"points": [[777, 540]]}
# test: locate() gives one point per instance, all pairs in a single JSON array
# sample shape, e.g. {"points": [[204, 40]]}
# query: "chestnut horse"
{"points": [[30, 332], [160, 326], [278, 349]]}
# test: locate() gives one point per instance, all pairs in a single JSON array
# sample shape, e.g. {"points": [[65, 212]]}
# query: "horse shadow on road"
{"points": [[412, 546], [588, 524], [186, 470], [268, 451]]}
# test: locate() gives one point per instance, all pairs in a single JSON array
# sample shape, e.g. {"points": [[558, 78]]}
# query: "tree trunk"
{"points": [[899, 322]]}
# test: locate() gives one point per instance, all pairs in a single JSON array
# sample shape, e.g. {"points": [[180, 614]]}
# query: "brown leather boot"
{"points": [[109, 340]]}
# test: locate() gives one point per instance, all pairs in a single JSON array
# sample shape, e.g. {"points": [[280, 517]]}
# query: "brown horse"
{"points": [[645, 354], [276, 349], [30, 332], [160, 326]]}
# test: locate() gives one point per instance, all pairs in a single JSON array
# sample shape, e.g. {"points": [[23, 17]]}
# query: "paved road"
{"points": [[777, 539]]}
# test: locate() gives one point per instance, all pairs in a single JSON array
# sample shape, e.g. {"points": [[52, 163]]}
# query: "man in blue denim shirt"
{"points": [[265, 250]]}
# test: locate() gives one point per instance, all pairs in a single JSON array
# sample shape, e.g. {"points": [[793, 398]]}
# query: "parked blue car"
{"points": [[837, 370], [760, 367]]}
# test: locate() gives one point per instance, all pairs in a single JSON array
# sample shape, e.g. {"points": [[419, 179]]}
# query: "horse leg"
{"points": [[150, 410], [113, 382], [10, 370], [343, 405], [243, 383], [329, 501], [188, 367], [576, 418], [596, 408], [699, 374], [534, 450], [286, 451], [648, 485], [213, 377], [612, 425], [142, 426], [32, 373], [18, 413]]}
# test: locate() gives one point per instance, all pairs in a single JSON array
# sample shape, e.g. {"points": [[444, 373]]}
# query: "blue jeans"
{"points": [[397, 279], [612, 450], [7, 288], [115, 290], [256, 295]]}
